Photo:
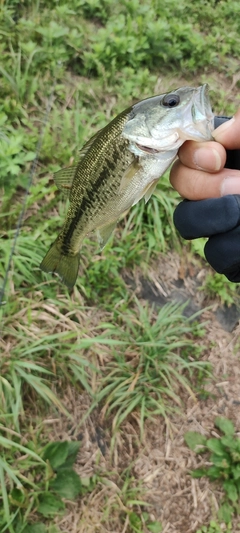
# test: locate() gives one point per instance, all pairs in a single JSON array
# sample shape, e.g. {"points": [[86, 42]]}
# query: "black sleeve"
{"points": [[233, 156], [218, 219]]}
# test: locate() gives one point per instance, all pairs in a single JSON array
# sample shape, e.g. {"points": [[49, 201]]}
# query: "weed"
{"points": [[225, 468], [216, 285], [215, 527], [146, 375], [55, 480]]}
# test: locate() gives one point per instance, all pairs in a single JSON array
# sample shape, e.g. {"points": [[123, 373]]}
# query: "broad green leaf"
{"points": [[222, 461], [50, 504], [235, 456], [214, 472], [135, 521], [229, 442], [29, 156], [231, 491], [225, 425], [236, 471], [67, 484], [225, 512], [195, 441], [216, 446], [56, 453], [237, 444], [17, 497], [72, 451], [199, 472], [237, 483], [155, 527]]}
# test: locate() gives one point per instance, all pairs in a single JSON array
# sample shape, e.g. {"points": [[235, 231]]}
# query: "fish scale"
{"points": [[116, 159], [121, 164]]}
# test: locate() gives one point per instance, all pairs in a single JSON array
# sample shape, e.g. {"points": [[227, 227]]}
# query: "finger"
{"points": [[210, 156], [228, 134], [198, 185]]}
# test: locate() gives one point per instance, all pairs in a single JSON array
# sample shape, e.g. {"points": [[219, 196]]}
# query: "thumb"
{"points": [[228, 134]]}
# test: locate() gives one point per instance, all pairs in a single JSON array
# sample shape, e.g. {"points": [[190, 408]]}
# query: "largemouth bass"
{"points": [[121, 164]]}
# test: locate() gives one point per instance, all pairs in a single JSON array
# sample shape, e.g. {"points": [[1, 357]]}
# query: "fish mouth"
{"points": [[202, 114], [147, 149], [199, 118], [204, 99], [155, 146]]}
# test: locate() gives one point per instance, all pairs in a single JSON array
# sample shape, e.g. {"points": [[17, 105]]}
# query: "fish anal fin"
{"points": [[64, 179], [105, 232]]}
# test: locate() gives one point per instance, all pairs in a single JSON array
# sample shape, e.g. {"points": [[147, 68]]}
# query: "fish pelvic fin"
{"points": [[66, 266], [104, 233], [150, 190]]}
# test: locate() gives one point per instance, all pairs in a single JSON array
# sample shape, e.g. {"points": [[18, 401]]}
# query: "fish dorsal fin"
{"points": [[129, 174], [64, 178], [88, 145], [150, 190], [104, 233]]}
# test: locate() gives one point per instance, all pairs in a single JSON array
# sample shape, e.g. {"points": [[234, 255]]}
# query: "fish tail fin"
{"points": [[66, 266]]}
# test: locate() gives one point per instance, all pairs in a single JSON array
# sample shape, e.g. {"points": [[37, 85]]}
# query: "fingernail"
{"points": [[230, 185], [221, 129], [207, 159]]}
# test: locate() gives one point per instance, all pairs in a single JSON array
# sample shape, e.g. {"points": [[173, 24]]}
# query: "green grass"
{"points": [[225, 464], [145, 377], [215, 527], [66, 70]]}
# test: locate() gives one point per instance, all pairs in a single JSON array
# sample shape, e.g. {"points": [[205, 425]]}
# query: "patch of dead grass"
{"points": [[162, 462]]}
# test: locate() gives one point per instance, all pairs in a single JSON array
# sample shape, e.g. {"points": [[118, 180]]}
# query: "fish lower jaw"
{"points": [[140, 150]]}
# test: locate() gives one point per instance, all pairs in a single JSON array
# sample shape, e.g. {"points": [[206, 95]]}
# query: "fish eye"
{"points": [[170, 100]]}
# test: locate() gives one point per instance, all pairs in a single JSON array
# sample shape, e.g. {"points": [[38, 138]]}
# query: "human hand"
{"points": [[209, 174]]}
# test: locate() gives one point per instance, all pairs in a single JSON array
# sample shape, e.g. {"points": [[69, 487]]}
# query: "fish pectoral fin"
{"points": [[64, 179], [104, 233], [129, 174], [150, 190]]}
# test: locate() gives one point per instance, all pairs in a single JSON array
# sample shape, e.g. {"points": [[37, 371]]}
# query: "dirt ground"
{"points": [[161, 463]]}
